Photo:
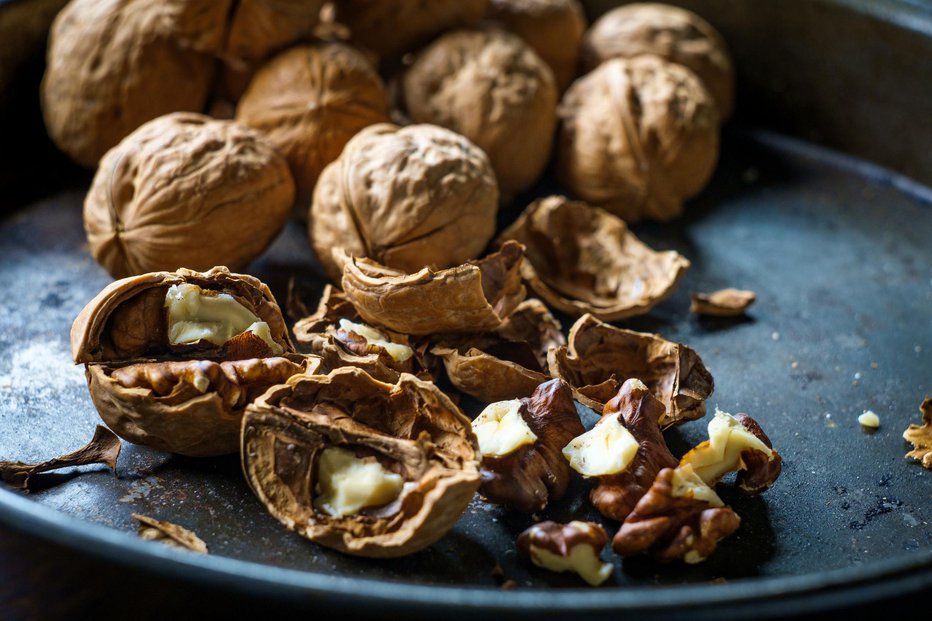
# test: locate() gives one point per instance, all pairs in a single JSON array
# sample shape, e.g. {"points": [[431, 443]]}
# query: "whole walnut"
{"points": [[185, 190], [675, 34], [408, 198], [637, 137], [308, 102], [553, 29], [492, 88]]}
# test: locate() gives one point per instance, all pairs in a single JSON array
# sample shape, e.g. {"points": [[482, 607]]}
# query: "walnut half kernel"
{"points": [[571, 547], [347, 484], [607, 448], [501, 429]]}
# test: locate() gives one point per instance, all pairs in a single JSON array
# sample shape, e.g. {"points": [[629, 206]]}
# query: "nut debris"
{"points": [[104, 448], [169, 534], [722, 303], [920, 436]]}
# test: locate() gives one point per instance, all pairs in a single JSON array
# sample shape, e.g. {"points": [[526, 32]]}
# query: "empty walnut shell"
{"points": [[411, 427], [412, 197], [474, 297], [186, 399], [637, 137], [185, 190], [675, 34], [491, 87], [582, 259], [600, 357]]}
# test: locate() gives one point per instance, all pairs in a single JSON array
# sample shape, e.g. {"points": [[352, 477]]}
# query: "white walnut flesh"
{"points": [[501, 429], [722, 453], [397, 351], [347, 484], [608, 448], [687, 484]]}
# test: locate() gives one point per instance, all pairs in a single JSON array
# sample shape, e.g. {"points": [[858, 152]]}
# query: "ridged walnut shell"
{"points": [[410, 424], [412, 197], [637, 137], [185, 190]]}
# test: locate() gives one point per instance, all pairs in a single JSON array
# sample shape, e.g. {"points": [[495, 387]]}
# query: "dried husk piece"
{"points": [[104, 448], [582, 259], [410, 425], [169, 534], [600, 357], [920, 436], [722, 303]]}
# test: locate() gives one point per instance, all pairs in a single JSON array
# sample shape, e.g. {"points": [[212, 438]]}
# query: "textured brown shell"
{"points": [[412, 197], [492, 88], [411, 422], [675, 34], [582, 259], [185, 190], [260, 27], [600, 357], [920, 436], [308, 102], [637, 137], [722, 303], [473, 297]]}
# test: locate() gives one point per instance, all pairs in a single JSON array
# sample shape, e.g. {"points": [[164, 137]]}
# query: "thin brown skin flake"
{"points": [[722, 303], [920, 436], [104, 448], [169, 534]]}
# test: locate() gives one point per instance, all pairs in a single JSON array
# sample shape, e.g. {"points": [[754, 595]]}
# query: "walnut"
{"points": [[722, 303], [568, 547], [367, 468], [308, 102], [553, 28], [520, 443], [582, 259], [173, 358], [492, 88], [185, 190], [920, 436], [392, 27], [637, 137], [473, 297], [679, 517], [257, 28], [412, 197], [675, 34], [600, 357]]}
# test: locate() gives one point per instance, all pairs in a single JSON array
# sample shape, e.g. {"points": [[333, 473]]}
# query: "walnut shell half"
{"points": [[409, 428]]}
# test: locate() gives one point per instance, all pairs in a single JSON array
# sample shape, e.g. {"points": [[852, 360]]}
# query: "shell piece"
{"points": [[675, 34], [600, 357], [412, 197], [186, 190], [410, 427], [582, 259], [637, 137], [308, 102], [104, 448], [920, 436], [474, 297], [169, 534], [492, 88], [722, 303]]}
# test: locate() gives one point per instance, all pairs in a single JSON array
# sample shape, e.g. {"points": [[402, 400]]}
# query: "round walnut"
{"points": [[492, 88], [308, 102], [637, 137], [408, 198], [186, 191], [675, 34]]}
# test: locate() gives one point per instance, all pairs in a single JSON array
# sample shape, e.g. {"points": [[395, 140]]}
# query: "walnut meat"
{"points": [[582, 259], [184, 190], [173, 358], [492, 88], [675, 34], [367, 468], [637, 137], [568, 547], [412, 197]]}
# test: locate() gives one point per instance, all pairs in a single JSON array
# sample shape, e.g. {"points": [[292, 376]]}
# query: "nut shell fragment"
{"points": [[568, 547], [920, 436], [722, 303], [169, 534], [104, 448]]}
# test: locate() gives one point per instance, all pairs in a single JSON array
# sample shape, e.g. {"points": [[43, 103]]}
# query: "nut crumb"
{"points": [[869, 419]]}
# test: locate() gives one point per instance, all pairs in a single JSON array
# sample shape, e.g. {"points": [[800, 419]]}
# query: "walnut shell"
{"points": [[410, 424], [412, 197], [582, 259], [260, 27], [672, 33], [308, 102], [184, 190], [492, 88], [637, 137]]}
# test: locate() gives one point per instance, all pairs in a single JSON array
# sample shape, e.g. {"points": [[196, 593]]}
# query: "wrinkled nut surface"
{"points": [[169, 534], [637, 137], [492, 88], [409, 429], [308, 102], [722, 303], [599, 357], [160, 367], [568, 547], [679, 517], [520, 442], [104, 448], [257, 28], [582, 259], [736, 443], [920, 436], [474, 297], [408, 198], [186, 190], [675, 34]]}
